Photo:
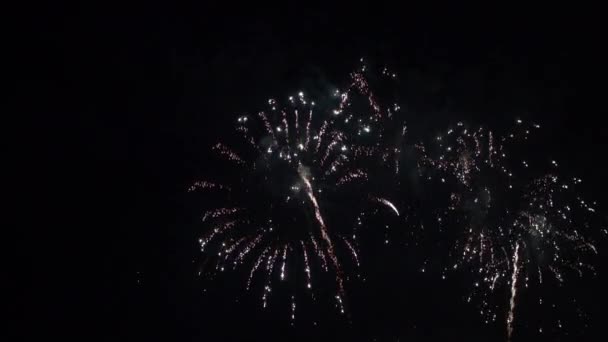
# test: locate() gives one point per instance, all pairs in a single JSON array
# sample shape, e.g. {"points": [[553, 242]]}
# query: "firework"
{"points": [[301, 177], [510, 227], [298, 173]]}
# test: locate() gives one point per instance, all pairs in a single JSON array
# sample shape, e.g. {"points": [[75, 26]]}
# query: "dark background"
{"points": [[127, 98]]}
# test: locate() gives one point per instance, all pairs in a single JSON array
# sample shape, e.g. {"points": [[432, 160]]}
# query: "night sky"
{"points": [[128, 101]]}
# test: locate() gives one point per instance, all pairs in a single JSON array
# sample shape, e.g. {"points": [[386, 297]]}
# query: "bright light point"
{"points": [[519, 121], [343, 148], [366, 128]]}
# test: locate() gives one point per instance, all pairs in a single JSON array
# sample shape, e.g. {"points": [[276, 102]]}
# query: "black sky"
{"points": [[128, 98]]}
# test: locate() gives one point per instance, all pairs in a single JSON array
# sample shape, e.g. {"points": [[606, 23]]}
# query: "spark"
{"points": [[284, 262], [388, 204], [306, 266], [207, 185], [352, 250], [323, 229], [511, 316]]}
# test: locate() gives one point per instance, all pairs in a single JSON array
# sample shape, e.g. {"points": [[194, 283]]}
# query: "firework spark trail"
{"points": [[284, 262], [336, 140], [269, 268], [308, 128], [323, 229], [267, 125], [225, 151], [207, 185], [388, 204], [319, 252], [286, 127], [490, 148], [511, 316], [215, 213], [293, 308], [353, 175], [248, 249], [256, 265], [352, 250], [233, 247], [361, 84], [296, 119], [397, 150], [217, 230], [306, 265], [319, 137]]}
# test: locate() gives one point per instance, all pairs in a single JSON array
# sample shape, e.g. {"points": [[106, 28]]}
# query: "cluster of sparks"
{"points": [[510, 225], [319, 151]]}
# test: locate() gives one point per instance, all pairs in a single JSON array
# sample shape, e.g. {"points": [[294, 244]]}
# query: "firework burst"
{"points": [[511, 228], [299, 171]]}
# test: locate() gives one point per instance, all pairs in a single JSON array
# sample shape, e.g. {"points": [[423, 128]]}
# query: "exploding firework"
{"points": [[298, 172], [511, 228], [300, 178]]}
